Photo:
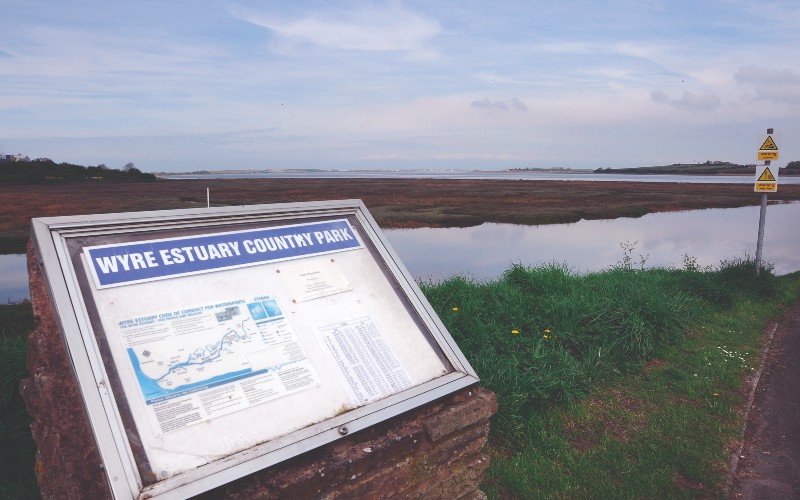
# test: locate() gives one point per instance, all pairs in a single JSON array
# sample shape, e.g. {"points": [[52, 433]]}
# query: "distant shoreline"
{"points": [[442, 171], [701, 169]]}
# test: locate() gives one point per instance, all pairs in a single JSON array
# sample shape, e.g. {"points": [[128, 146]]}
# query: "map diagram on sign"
{"points": [[226, 356]]}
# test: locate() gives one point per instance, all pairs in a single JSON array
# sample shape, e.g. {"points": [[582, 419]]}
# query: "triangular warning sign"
{"points": [[769, 144], [766, 176]]}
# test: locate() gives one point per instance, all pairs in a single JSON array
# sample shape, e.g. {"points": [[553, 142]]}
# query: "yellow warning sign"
{"points": [[769, 144], [766, 176], [767, 155], [766, 179]]}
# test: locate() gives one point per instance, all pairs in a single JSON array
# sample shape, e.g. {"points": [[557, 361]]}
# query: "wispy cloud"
{"points": [[411, 83], [372, 28], [513, 104], [491, 77], [779, 85], [769, 76], [568, 47], [690, 101]]}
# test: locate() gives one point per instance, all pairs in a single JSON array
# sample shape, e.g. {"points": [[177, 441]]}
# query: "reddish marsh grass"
{"points": [[393, 202]]}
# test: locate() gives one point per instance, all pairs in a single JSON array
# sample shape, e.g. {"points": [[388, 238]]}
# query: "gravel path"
{"points": [[769, 464]]}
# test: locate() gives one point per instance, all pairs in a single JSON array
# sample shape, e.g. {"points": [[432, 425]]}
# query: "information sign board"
{"points": [[211, 343]]}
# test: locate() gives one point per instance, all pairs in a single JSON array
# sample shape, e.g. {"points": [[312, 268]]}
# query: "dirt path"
{"points": [[769, 465]]}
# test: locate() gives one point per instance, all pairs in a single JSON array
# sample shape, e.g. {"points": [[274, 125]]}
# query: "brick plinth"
{"points": [[420, 454], [434, 451], [67, 460]]}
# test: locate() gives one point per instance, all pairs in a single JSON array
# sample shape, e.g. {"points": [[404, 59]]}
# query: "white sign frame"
{"points": [[54, 237]]}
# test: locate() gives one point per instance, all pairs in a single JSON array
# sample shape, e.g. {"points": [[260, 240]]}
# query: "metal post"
{"points": [[208, 197], [762, 219]]}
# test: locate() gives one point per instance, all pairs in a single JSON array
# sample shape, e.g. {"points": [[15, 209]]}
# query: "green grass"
{"points": [[17, 450], [16, 319], [621, 384]]}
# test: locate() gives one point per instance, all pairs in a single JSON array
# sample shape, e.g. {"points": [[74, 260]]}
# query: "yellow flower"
{"points": [[546, 336], [546, 330], [455, 309], [716, 394], [515, 331]]}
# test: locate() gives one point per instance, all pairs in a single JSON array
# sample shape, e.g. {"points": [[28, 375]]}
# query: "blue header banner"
{"points": [[128, 263]]}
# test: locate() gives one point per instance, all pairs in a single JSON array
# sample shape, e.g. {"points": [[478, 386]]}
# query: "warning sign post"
{"points": [[766, 182]]}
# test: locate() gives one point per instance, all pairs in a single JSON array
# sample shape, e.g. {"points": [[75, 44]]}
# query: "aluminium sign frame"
{"points": [[54, 238]]}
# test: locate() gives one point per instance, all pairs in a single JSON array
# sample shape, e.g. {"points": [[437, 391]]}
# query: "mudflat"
{"points": [[395, 203]]}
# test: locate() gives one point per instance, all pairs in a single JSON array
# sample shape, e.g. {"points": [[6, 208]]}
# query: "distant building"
{"points": [[17, 157]]}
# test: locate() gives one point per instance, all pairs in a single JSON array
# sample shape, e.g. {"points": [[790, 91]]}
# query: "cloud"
{"points": [[705, 101], [374, 29], [659, 97], [755, 74], [505, 105], [481, 156], [779, 85], [489, 77], [568, 48], [518, 105]]}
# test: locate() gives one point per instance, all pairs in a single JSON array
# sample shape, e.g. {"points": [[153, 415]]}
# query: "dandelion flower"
{"points": [[716, 394], [546, 330], [515, 331], [455, 309], [546, 336]]}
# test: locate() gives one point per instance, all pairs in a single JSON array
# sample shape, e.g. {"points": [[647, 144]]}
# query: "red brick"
{"points": [[481, 406]]}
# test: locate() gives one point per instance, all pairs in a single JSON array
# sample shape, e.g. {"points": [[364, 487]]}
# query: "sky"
{"points": [[189, 85]]}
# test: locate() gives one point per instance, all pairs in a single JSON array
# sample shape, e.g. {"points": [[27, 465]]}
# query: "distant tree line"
{"points": [[46, 171], [707, 168]]}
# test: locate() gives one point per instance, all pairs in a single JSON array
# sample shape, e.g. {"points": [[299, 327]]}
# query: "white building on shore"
{"points": [[16, 157]]}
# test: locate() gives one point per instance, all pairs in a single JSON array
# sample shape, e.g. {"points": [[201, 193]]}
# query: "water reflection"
{"points": [[13, 278], [485, 251]]}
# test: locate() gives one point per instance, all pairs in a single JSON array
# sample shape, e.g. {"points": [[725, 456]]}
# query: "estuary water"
{"points": [[13, 278], [654, 240], [484, 252]]}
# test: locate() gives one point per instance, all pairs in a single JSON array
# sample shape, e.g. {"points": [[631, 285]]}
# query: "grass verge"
{"points": [[16, 319], [17, 449], [622, 384]]}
